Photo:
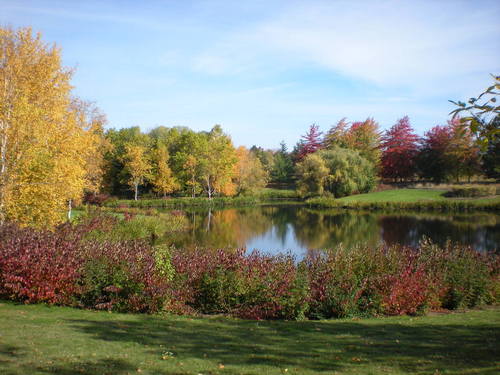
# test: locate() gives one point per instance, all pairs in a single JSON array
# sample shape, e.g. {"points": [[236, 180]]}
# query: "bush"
{"points": [[254, 286], [122, 276], [97, 199], [460, 276], [471, 191], [39, 266], [66, 267]]}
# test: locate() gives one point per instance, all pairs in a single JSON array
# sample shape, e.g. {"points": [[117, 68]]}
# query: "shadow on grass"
{"points": [[316, 346]]}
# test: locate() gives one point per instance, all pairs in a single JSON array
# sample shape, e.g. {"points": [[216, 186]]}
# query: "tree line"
{"points": [[351, 156], [54, 148]]}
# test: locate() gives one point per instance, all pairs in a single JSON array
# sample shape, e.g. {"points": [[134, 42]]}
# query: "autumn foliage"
{"points": [[67, 267], [399, 151]]}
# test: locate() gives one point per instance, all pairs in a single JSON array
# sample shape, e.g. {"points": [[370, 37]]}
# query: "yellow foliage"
{"points": [[44, 143]]}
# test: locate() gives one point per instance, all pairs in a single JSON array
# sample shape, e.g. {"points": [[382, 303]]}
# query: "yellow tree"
{"points": [[190, 167], [217, 161], [93, 121], [249, 172], [137, 166], [163, 180], [43, 144]]}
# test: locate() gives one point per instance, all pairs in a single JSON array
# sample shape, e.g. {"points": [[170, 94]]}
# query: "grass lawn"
{"points": [[398, 195], [53, 340]]}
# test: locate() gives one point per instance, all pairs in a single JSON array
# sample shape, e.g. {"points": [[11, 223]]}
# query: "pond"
{"points": [[294, 228]]}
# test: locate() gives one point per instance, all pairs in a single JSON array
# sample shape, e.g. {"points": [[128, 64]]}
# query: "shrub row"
{"points": [[65, 267], [183, 202], [437, 205], [471, 191]]}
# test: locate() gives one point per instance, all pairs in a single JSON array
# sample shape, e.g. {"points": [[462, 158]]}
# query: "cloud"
{"points": [[427, 47], [392, 42]]}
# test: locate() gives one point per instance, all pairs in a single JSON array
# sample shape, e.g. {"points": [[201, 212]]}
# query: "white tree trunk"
{"points": [[136, 191], [209, 189], [70, 207]]}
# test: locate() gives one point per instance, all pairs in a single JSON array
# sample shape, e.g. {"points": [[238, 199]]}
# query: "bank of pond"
{"points": [[349, 264]]}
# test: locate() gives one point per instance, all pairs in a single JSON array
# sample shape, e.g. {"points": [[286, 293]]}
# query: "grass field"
{"points": [[398, 195], [53, 340], [409, 199]]}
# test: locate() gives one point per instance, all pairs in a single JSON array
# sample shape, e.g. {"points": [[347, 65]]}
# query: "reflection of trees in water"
{"points": [[222, 228], [325, 229], [481, 231], [322, 229]]}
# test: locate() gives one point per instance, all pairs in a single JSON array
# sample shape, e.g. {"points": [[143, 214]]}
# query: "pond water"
{"points": [[296, 229]]}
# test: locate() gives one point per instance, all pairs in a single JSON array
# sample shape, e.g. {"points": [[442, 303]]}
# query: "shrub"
{"points": [[122, 276], [39, 266], [97, 199], [471, 191], [460, 276], [66, 267], [254, 286]]}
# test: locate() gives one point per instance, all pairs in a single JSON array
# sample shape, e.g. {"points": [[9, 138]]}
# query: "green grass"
{"points": [[397, 195], [408, 199], [259, 197], [54, 340]]}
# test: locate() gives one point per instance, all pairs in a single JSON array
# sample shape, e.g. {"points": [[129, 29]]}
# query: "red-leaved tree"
{"points": [[399, 150], [311, 142]]}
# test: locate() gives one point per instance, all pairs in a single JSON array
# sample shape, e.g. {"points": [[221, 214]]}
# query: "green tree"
{"points": [[348, 172], [311, 174], [338, 171], [282, 170]]}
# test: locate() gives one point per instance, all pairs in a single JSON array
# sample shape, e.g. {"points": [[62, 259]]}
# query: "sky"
{"points": [[267, 70]]}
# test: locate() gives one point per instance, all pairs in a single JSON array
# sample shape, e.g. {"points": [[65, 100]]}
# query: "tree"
{"points": [[399, 150], [311, 142], [311, 173], [283, 165], [364, 136], [266, 157], [337, 135], [433, 161], [191, 168], [491, 156], [338, 171], [116, 175], [137, 167], [481, 112], [462, 152], [348, 172], [163, 180], [45, 143], [217, 162], [249, 175]]}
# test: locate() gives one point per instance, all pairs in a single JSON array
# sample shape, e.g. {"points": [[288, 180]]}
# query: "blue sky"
{"points": [[266, 70]]}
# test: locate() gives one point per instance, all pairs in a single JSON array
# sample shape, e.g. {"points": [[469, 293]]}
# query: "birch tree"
{"points": [[43, 144]]}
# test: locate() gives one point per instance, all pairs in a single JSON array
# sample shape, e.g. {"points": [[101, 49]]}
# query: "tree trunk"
{"points": [[69, 208], [136, 191], [3, 169], [209, 190]]}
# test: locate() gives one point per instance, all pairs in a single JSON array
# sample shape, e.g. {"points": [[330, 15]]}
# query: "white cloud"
{"points": [[427, 47], [417, 44]]}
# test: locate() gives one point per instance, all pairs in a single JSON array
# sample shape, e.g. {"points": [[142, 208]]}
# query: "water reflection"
{"points": [[298, 228]]}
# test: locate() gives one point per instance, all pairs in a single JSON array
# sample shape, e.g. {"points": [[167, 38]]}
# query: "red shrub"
{"points": [[39, 266]]}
